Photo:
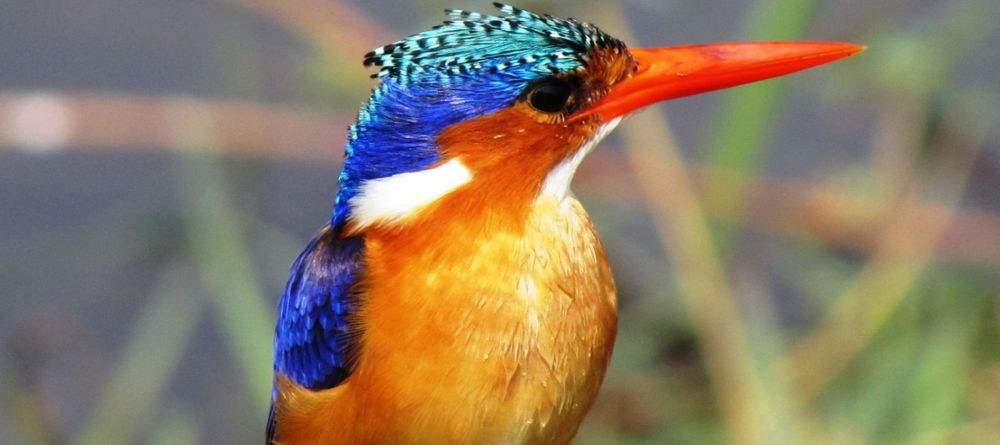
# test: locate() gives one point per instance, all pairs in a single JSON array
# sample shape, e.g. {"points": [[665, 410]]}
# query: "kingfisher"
{"points": [[459, 293]]}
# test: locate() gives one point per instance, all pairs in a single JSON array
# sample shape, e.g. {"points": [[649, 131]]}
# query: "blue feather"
{"points": [[398, 131], [313, 343], [472, 65]]}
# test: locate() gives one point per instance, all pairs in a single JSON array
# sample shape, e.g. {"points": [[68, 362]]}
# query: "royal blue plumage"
{"points": [[313, 342], [470, 66], [397, 133]]}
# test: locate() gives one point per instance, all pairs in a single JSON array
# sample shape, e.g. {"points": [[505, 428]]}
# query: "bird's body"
{"points": [[459, 293], [513, 351], [502, 338]]}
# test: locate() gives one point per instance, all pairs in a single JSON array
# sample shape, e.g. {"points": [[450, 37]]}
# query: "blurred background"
{"points": [[812, 260]]}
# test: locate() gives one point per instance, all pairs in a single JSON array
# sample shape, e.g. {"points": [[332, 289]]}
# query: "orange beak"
{"points": [[673, 72]]}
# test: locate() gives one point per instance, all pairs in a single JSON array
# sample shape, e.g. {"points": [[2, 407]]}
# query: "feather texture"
{"points": [[313, 339], [475, 309], [313, 342], [471, 45], [471, 66], [503, 341]]}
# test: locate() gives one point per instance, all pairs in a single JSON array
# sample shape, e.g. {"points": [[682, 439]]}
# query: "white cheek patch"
{"points": [[557, 182], [395, 197]]}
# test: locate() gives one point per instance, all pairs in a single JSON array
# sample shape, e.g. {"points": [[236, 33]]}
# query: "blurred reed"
{"points": [[897, 338]]}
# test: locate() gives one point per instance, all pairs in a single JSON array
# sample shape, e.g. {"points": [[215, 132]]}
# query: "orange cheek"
{"points": [[511, 148]]}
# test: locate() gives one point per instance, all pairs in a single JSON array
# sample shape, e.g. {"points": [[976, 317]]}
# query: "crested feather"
{"points": [[472, 65], [470, 43]]}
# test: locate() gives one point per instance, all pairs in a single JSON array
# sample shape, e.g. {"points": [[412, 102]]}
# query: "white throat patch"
{"points": [[557, 182], [394, 197]]}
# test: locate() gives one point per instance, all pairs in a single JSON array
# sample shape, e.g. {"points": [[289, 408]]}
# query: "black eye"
{"points": [[550, 95]]}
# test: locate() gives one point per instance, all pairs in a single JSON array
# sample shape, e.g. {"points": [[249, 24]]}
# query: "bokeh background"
{"points": [[812, 260]]}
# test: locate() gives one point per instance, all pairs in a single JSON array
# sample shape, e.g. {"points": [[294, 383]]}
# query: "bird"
{"points": [[459, 293]]}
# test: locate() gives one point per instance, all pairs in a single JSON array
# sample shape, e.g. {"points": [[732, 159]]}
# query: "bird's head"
{"points": [[505, 107]]}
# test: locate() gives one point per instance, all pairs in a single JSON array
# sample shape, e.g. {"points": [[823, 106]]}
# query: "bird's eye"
{"points": [[550, 95]]}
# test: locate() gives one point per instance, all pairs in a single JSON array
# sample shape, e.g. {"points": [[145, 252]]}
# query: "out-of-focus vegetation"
{"points": [[813, 260]]}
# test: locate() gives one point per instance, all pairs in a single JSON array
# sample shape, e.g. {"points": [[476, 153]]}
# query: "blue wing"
{"points": [[314, 341]]}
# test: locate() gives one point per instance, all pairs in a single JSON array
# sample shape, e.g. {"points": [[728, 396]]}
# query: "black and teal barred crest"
{"points": [[471, 44], [470, 66]]}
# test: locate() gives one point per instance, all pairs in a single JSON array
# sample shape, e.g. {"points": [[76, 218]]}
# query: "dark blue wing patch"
{"points": [[314, 341]]}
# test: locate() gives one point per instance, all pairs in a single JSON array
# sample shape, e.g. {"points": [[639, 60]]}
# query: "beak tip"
{"points": [[853, 48]]}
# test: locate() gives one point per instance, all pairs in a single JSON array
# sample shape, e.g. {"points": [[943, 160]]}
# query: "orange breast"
{"points": [[475, 331]]}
